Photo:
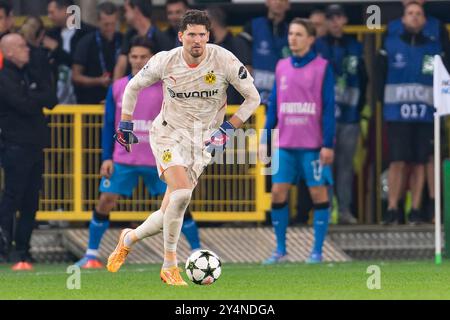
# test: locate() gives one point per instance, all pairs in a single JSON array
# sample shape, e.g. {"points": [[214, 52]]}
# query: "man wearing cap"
{"points": [[345, 55]]}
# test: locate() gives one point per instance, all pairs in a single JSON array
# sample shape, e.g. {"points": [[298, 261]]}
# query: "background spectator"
{"points": [[175, 9], [6, 17], [268, 45], [138, 15], [63, 47], [223, 37], [346, 56], [318, 19], [406, 62], [24, 134], [33, 31], [6, 22], [433, 28], [96, 56]]}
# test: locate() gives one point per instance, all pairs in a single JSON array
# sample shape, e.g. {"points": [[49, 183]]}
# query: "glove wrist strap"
{"points": [[227, 126], [126, 125]]}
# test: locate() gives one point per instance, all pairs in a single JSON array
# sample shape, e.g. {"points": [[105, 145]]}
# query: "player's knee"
{"points": [[106, 203], [279, 195], [319, 195], [103, 210], [181, 198]]}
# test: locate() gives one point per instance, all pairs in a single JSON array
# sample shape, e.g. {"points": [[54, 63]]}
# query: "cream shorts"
{"points": [[177, 147]]}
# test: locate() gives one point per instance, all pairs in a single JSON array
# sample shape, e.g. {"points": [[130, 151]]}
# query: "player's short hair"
{"points": [[144, 6], [218, 15], [107, 8], [169, 2], [139, 41], [307, 24], [5, 6], [62, 3], [195, 17]]}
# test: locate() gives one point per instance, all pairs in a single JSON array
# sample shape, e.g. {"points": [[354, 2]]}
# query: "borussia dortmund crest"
{"points": [[210, 78], [167, 156]]}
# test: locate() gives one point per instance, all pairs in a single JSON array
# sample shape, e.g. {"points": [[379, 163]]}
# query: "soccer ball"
{"points": [[203, 267]]}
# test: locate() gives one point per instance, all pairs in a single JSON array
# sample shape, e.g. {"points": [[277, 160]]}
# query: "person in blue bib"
{"points": [[434, 29], [346, 56], [302, 108], [267, 37], [405, 85]]}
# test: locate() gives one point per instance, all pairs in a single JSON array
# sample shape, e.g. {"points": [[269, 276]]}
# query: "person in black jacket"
{"points": [[24, 135]]}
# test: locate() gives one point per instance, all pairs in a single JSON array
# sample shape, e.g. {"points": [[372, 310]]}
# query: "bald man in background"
{"points": [[24, 135]]}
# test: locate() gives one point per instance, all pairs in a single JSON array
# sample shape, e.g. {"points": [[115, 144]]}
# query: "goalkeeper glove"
{"points": [[219, 138], [125, 136]]}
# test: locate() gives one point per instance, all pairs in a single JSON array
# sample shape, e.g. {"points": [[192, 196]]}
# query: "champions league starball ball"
{"points": [[203, 267]]}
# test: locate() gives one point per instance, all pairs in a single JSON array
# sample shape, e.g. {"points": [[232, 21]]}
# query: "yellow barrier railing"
{"points": [[226, 192]]}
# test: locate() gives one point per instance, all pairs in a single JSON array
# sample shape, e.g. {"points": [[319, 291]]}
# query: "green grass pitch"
{"points": [[399, 280]]}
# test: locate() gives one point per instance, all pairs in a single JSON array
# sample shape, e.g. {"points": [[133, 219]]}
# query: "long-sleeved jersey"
{"points": [[195, 95]]}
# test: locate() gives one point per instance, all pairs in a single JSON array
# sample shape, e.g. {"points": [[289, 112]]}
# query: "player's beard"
{"points": [[197, 53]]}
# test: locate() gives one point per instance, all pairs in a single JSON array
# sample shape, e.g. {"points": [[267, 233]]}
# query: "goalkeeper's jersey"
{"points": [[196, 95]]}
